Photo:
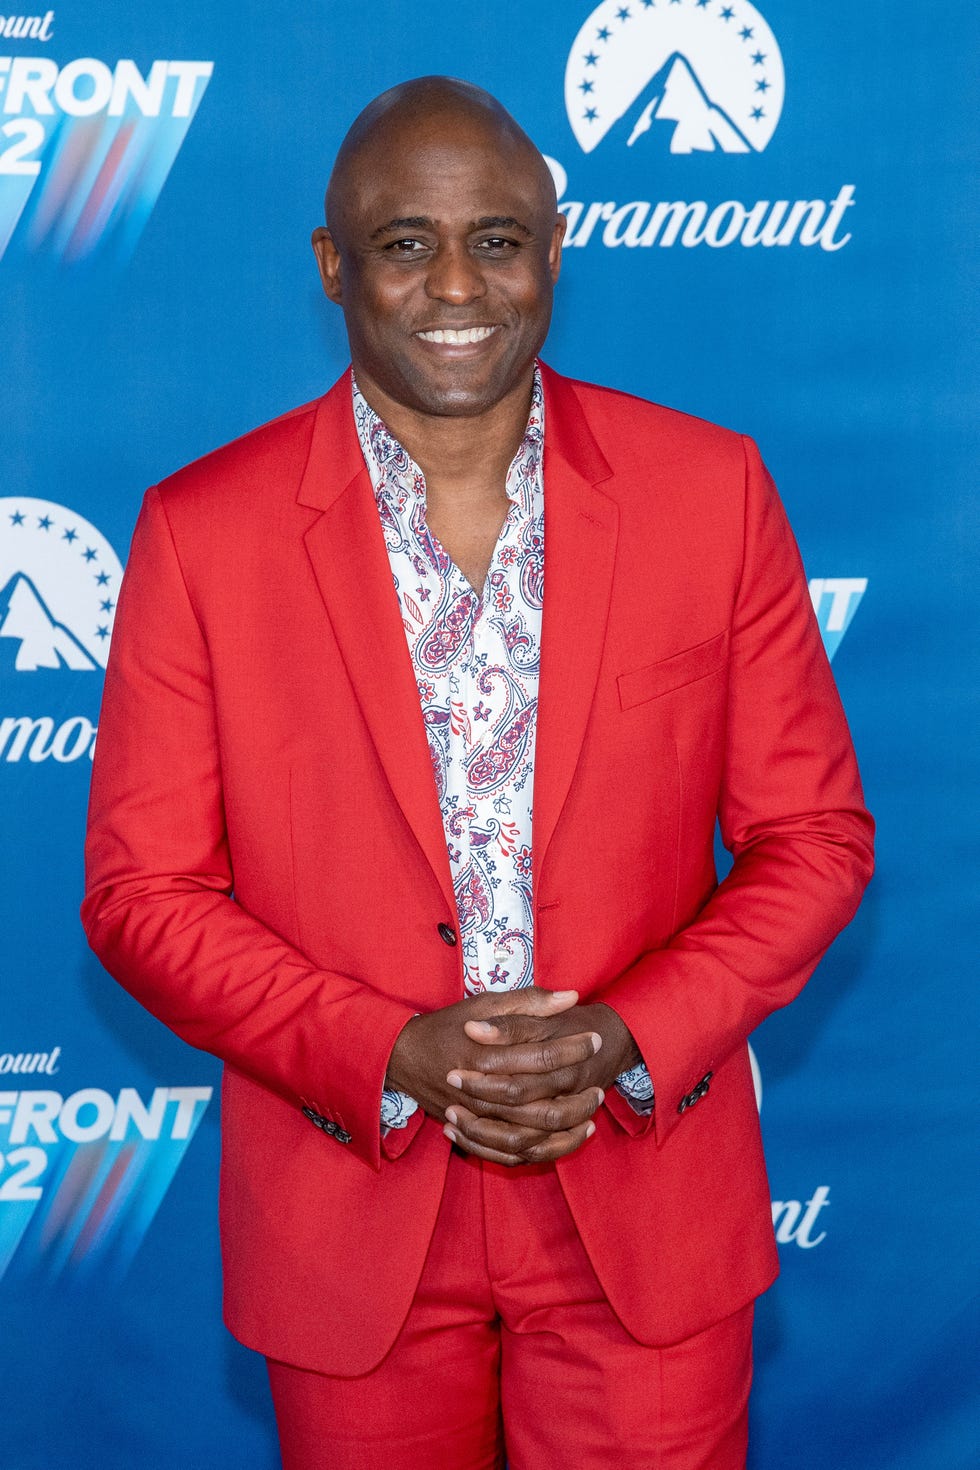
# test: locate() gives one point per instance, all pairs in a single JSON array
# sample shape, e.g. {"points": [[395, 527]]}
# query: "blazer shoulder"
{"points": [[266, 459], [619, 420], [272, 453]]}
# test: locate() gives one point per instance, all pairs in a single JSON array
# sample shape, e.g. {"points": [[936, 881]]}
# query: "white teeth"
{"points": [[451, 338]]}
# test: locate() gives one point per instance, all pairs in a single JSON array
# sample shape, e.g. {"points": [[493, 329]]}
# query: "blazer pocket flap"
{"points": [[671, 673]]}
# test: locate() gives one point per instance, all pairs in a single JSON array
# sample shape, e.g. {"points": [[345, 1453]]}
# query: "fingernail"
{"points": [[590, 1130], [564, 994], [596, 1041], [451, 1115], [450, 1134], [484, 1026], [602, 1098], [454, 1079]]}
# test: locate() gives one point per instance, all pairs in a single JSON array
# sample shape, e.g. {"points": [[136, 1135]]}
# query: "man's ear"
{"points": [[328, 260], [554, 252]]}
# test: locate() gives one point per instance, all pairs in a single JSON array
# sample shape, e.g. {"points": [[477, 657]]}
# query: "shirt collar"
{"points": [[396, 476]]}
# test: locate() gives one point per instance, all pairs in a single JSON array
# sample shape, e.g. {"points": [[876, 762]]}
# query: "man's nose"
{"points": [[454, 275]]}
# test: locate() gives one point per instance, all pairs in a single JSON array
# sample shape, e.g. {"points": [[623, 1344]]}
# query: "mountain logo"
{"points": [[59, 584], [688, 76]]}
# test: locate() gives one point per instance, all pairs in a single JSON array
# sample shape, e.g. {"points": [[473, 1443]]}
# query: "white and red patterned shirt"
{"points": [[477, 660]]}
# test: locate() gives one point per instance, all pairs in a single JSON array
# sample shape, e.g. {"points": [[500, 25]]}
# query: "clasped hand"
{"points": [[515, 1075]]}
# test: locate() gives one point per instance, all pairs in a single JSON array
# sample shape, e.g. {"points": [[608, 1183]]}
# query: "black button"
{"points": [[447, 934]]}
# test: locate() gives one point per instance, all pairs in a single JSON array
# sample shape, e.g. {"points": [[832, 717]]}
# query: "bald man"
{"points": [[416, 836]]}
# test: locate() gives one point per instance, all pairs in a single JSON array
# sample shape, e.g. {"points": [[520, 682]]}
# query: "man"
{"points": [[490, 1148]]}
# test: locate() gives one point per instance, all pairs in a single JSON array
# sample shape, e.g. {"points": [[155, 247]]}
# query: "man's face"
{"points": [[443, 255]]}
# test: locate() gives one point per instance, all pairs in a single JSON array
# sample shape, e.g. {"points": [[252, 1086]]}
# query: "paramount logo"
{"points": [[676, 97], [642, 223], [43, 738], [681, 78], [38, 640], [27, 27]]}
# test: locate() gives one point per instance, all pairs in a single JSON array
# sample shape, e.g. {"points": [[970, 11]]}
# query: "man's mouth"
{"points": [[457, 337]]}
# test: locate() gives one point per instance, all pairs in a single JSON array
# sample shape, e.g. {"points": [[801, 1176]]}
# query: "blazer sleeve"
{"points": [[159, 910], [791, 812]]}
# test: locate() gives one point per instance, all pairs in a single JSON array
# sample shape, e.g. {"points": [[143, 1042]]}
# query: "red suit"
{"points": [[262, 734]]}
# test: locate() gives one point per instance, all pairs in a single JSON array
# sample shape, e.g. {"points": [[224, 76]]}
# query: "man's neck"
{"points": [[460, 455]]}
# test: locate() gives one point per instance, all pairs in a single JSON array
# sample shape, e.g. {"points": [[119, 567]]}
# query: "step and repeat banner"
{"points": [[770, 225]]}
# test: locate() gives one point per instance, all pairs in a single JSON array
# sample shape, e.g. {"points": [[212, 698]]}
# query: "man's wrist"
{"points": [[395, 1081], [617, 1040]]}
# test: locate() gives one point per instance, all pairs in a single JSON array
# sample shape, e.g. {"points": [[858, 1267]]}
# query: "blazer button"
{"points": [[447, 934]]}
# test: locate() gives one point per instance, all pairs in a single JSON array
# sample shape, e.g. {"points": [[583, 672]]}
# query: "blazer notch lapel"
{"points": [[581, 530], [347, 552]]}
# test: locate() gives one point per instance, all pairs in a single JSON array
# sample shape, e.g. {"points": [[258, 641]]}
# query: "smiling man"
{"points": [[417, 837]]}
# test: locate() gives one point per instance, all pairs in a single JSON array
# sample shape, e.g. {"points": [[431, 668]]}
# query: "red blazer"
{"points": [[267, 868]]}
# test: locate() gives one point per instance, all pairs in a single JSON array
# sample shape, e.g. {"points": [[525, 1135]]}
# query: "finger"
{"points": [[512, 1147], [517, 1091], [489, 1133], [491, 1155], [557, 1145], [548, 1115], [546, 1055], [531, 1000], [509, 1029]]}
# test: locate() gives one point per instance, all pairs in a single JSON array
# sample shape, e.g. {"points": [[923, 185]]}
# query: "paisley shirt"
{"points": [[476, 660]]}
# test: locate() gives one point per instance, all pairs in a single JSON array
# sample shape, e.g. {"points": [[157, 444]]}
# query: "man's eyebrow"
{"points": [[423, 222], [501, 222], [410, 222]]}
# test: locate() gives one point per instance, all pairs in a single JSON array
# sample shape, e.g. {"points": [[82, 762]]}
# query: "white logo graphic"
{"points": [[756, 1077], [694, 76], [792, 1220], [835, 601], [59, 582]]}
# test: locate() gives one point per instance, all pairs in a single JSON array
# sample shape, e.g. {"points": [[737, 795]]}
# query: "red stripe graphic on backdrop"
{"points": [[74, 154], [101, 1210], [85, 232], [84, 1167]]}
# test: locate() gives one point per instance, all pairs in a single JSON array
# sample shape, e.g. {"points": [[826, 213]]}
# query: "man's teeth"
{"points": [[469, 334]]}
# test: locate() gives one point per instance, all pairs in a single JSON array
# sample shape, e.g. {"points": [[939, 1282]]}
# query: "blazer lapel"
{"points": [[581, 525], [350, 562]]}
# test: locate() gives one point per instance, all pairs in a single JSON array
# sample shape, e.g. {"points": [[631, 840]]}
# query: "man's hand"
{"points": [[530, 1086], [526, 1071]]}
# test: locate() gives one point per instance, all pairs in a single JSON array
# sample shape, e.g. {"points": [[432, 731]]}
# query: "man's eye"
{"points": [[497, 244], [407, 246]]}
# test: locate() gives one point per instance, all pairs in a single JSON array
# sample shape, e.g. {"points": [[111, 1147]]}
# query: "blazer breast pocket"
{"points": [[675, 672]]}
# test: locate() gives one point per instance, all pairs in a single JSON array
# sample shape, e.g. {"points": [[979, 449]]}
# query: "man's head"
{"points": [[442, 246]]}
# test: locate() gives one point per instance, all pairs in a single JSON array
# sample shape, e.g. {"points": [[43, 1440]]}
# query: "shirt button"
{"points": [[501, 952], [447, 933]]}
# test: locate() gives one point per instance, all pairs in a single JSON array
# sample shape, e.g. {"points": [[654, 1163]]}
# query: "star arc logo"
{"points": [[690, 76], [59, 583]]}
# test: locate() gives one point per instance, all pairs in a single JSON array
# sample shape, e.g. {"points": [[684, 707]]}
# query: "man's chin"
{"points": [[467, 393]]}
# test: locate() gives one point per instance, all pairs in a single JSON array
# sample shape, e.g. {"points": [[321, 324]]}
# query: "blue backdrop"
{"points": [[770, 225]]}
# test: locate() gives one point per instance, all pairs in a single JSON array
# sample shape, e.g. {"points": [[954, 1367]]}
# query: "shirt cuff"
{"points": [[395, 1140], [396, 1109], [636, 1086]]}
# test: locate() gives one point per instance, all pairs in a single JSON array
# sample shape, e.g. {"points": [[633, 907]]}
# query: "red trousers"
{"points": [[510, 1348]]}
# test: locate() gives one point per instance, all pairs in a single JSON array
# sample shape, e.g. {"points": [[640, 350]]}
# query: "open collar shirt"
{"points": [[476, 658]]}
